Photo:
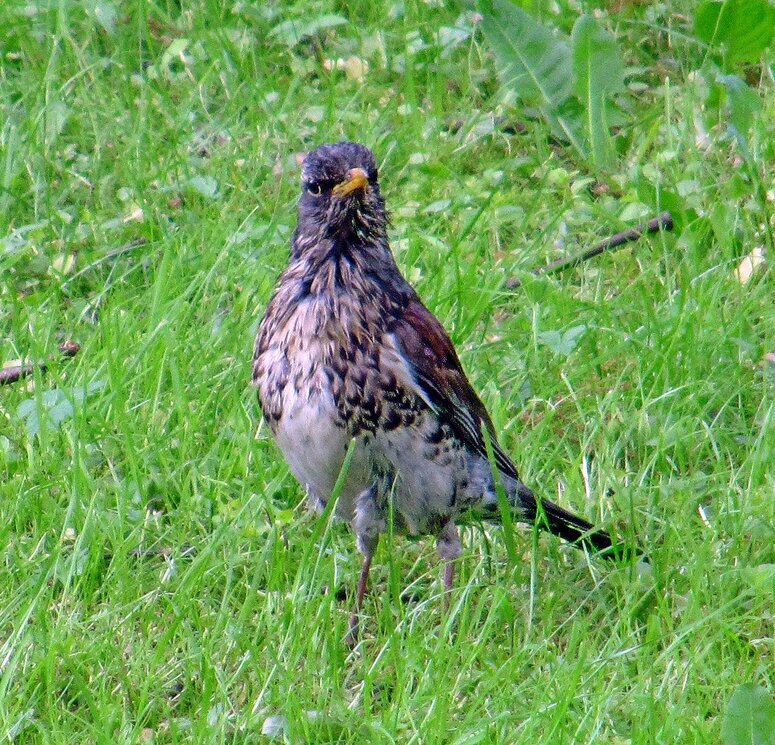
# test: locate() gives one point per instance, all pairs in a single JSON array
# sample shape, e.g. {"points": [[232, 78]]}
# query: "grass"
{"points": [[160, 580]]}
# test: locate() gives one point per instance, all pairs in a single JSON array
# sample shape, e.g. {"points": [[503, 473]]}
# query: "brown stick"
{"points": [[15, 373], [663, 222]]}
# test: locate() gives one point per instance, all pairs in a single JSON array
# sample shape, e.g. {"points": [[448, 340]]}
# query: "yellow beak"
{"points": [[357, 178]]}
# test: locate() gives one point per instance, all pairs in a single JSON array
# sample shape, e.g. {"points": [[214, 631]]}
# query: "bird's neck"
{"points": [[332, 266]]}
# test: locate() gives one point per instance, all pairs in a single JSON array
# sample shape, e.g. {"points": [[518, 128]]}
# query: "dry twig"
{"points": [[15, 373], [663, 222]]}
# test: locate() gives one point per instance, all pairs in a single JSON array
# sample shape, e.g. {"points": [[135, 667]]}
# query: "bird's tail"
{"points": [[574, 529]]}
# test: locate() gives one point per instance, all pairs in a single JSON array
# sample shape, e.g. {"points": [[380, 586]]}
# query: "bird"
{"points": [[351, 365]]}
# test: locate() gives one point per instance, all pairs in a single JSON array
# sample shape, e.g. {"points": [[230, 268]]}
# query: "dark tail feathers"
{"points": [[574, 529]]}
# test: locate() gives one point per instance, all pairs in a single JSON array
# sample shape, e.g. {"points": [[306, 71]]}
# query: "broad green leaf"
{"points": [[173, 61], [761, 576], [440, 206], [176, 50], [659, 198], [744, 104], [293, 31], [57, 115], [745, 28], [562, 343], [57, 406], [730, 99], [598, 73], [106, 15], [104, 12], [567, 123], [749, 718], [706, 21], [536, 64], [598, 70], [532, 61], [207, 186]]}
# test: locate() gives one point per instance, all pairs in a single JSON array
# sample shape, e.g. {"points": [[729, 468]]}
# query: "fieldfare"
{"points": [[347, 356]]}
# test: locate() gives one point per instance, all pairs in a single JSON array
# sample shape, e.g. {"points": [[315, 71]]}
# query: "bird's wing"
{"points": [[437, 371]]}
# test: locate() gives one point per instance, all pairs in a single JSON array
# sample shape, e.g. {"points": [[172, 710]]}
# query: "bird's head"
{"points": [[340, 194]]}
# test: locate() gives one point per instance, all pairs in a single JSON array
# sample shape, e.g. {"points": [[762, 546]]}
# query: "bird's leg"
{"points": [[449, 578], [448, 547], [367, 525], [360, 593]]}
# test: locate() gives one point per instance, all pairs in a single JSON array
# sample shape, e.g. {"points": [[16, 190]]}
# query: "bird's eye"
{"points": [[313, 187]]}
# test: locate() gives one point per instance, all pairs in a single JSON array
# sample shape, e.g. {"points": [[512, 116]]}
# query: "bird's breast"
{"points": [[322, 344]]}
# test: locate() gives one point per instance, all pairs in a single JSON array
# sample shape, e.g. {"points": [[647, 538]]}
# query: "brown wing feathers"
{"points": [[438, 371]]}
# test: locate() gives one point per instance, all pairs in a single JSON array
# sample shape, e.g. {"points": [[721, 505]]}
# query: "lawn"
{"points": [[161, 578]]}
